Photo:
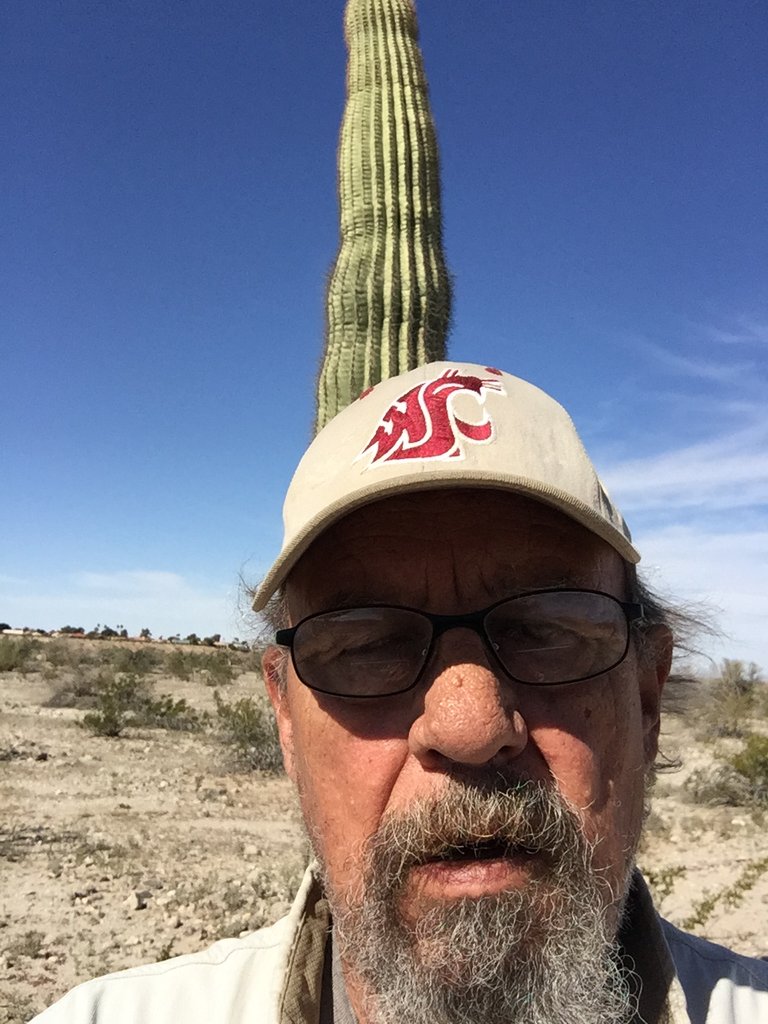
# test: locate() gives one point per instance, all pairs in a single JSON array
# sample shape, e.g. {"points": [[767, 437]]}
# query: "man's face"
{"points": [[359, 762]]}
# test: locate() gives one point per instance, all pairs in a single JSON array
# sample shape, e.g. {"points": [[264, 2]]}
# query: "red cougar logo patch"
{"points": [[422, 423]]}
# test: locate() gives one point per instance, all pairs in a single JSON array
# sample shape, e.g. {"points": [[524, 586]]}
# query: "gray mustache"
{"points": [[474, 820]]}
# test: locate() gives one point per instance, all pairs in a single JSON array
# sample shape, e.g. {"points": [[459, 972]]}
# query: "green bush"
{"points": [[740, 676], [124, 700], [81, 690], [751, 763], [720, 785], [219, 669], [249, 729], [742, 780], [17, 655], [184, 664], [663, 880], [116, 701], [730, 895], [59, 654], [727, 711], [164, 712], [140, 661]]}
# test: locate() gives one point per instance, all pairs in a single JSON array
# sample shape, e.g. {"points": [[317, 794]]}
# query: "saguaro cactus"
{"points": [[388, 299]]}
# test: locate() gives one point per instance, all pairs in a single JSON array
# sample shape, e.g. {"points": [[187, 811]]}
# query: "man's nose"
{"points": [[470, 713]]}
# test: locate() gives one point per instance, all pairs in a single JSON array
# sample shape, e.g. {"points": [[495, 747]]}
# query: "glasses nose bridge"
{"points": [[473, 620]]}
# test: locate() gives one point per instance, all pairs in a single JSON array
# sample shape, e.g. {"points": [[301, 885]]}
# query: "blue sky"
{"points": [[168, 218]]}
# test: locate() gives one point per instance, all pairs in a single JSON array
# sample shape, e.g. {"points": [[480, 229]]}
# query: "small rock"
{"points": [[137, 899]]}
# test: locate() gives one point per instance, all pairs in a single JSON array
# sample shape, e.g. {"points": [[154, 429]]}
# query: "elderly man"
{"points": [[467, 679]]}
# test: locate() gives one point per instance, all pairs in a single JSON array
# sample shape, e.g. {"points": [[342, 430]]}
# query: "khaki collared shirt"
{"points": [[285, 975]]}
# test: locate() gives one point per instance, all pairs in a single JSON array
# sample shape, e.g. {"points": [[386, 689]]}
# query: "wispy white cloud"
{"points": [[727, 570], [698, 503], [698, 366], [728, 361], [745, 332], [725, 471]]}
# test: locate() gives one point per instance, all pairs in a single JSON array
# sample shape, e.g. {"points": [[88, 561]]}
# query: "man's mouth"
{"points": [[489, 849], [473, 869]]}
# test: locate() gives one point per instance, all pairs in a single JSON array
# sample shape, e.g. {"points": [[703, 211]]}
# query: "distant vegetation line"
{"points": [[119, 632]]}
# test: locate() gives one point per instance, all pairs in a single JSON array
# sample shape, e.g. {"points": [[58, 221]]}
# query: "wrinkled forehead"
{"points": [[450, 548]]}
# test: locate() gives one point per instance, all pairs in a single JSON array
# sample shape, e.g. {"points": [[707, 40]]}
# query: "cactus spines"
{"points": [[388, 299]]}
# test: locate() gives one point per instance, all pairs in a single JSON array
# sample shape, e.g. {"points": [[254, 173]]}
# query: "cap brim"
{"points": [[412, 483]]}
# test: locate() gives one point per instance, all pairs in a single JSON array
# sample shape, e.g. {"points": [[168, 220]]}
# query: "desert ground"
{"points": [[115, 851]]}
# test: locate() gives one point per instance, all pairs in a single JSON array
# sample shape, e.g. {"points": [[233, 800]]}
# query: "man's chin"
{"points": [[448, 941]]}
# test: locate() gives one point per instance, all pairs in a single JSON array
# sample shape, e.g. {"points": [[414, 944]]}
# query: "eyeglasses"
{"points": [[540, 638]]}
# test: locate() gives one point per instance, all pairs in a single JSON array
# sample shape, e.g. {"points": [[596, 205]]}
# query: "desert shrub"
{"points": [[166, 712], [184, 664], [70, 655], [80, 690], [249, 729], [728, 708], [733, 700], [662, 881], [59, 654], [719, 785], [751, 763], [216, 669], [739, 675], [219, 669], [730, 895], [741, 780], [116, 701], [140, 661], [17, 654], [124, 700]]}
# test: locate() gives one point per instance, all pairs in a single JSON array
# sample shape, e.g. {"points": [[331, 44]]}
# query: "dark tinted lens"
{"points": [[558, 637], [362, 652]]}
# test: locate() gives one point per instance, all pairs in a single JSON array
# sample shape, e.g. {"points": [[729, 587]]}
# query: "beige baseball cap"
{"points": [[447, 424]]}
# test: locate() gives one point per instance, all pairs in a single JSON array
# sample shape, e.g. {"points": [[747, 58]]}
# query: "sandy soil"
{"points": [[119, 852]]}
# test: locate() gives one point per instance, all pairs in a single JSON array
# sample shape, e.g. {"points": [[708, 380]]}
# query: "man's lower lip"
{"points": [[451, 879]]}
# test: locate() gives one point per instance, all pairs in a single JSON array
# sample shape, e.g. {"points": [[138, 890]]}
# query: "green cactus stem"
{"points": [[389, 295]]}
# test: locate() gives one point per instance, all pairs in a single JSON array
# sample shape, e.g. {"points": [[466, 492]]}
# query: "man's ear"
{"points": [[273, 666], [655, 662]]}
